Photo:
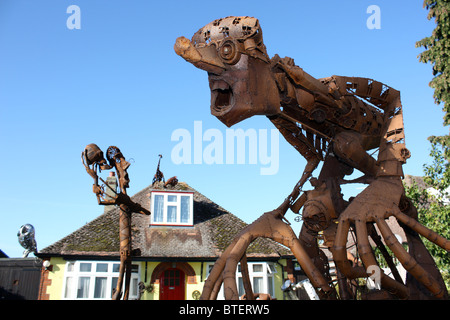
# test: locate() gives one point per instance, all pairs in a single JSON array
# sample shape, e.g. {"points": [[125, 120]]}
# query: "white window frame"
{"points": [[267, 273], [177, 204], [73, 272]]}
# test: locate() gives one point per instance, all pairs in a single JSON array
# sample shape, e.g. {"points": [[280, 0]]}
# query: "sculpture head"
{"points": [[232, 51]]}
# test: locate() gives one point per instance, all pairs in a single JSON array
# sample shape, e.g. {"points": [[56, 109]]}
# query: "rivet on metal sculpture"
{"points": [[27, 240], [341, 121], [94, 161]]}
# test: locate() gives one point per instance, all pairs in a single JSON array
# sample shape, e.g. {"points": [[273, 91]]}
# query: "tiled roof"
{"points": [[214, 229]]}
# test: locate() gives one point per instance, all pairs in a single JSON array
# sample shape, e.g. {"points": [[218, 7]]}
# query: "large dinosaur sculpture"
{"points": [[340, 121]]}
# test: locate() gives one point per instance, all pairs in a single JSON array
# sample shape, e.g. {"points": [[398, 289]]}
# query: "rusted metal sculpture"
{"points": [[159, 176], [93, 160], [337, 120]]}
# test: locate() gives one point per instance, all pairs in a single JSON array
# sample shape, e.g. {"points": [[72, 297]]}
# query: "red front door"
{"points": [[172, 285]]}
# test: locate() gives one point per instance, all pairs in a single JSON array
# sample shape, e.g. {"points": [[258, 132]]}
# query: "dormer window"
{"points": [[172, 208]]}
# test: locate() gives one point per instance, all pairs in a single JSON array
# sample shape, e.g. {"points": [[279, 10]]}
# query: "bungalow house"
{"points": [[173, 251]]}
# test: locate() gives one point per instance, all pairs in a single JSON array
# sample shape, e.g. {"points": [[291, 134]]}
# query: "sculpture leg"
{"points": [[353, 272], [308, 239], [410, 264], [215, 278], [380, 200], [216, 289], [126, 291], [125, 252], [246, 279], [422, 230], [118, 290], [379, 243], [419, 252], [229, 273], [269, 226], [339, 251], [364, 210]]}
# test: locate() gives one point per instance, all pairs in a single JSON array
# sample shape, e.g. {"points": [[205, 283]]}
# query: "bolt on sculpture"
{"points": [[93, 160], [336, 120]]}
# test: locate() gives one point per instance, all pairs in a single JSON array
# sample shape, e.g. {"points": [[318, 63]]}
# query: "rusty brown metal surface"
{"points": [[340, 121], [94, 161]]}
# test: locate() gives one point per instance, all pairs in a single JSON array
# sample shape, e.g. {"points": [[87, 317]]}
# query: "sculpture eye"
{"points": [[229, 53]]}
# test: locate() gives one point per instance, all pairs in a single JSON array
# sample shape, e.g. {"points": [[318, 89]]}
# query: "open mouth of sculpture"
{"points": [[221, 97]]}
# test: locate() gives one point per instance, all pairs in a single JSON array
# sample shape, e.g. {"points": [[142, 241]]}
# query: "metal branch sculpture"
{"points": [[93, 160], [337, 120]]}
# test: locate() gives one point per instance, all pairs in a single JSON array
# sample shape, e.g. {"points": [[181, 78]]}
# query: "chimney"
{"points": [[111, 181]]}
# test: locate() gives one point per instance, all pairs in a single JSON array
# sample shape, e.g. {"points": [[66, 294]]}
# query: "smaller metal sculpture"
{"points": [[159, 176], [93, 160], [27, 240]]}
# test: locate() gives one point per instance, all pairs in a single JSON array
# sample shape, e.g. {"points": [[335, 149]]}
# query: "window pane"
{"points": [[158, 215], [258, 285], [85, 267], [69, 288], [171, 214], [257, 268], [134, 287], [113, 285], [241, 286], [172, 198], [83, 287], [134, 268], [116, 267], [271, 268], [70, 266], [208, 270], [185, 209], [270, 286], [100, 287], [102, 267]]}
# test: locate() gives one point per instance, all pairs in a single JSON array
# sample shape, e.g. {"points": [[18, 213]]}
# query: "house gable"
{"points": [[213, 229]]}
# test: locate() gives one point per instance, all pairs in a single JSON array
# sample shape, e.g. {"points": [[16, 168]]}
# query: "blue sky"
{"points": [[117, 81]]}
